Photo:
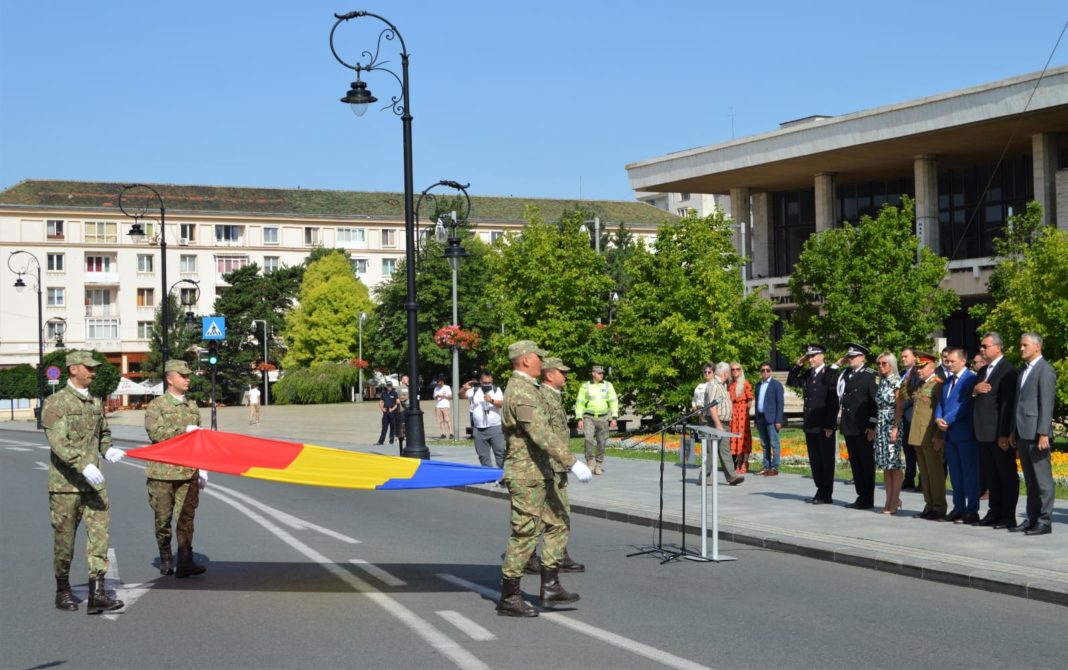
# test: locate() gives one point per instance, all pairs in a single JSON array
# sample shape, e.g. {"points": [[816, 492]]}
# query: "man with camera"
{"points": [[486, 399]]}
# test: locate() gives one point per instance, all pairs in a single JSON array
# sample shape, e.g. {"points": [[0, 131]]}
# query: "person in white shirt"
{"points": [[486, 400], [253, 404], [442, 405]]}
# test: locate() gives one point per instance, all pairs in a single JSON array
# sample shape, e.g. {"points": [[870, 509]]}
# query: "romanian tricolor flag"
{"points": [[274, 460]]}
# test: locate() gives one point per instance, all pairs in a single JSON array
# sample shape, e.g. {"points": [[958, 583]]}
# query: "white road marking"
{"points": [[127, 593], [18, 448], [644, 650], [421, 627], [45, 447], [287, 519], [20, 443], [377, 572], [41, 466], [467, 626]]}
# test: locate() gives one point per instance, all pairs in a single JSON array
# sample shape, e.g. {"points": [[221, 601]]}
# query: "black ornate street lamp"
{"points": [[137, 211], [358, 97], [58, 329], [20, 284], [188, 299]]}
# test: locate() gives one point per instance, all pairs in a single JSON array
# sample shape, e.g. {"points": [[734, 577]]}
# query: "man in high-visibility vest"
{"points": [[596, 409]]}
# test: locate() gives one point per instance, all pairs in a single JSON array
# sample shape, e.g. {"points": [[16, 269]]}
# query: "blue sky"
{"points": [[540, 99]]}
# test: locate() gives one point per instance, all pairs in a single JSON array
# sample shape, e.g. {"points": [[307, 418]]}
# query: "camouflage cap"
{"points": [[597, 368], [175, 365], [523, 347], [554, 363], [81, 357]]}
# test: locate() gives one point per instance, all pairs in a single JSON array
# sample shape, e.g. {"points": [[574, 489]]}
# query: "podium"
{"points": [[710, 439]]}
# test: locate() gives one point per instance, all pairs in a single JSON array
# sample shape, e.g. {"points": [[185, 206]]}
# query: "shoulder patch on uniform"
{"points": [[524, 413]]}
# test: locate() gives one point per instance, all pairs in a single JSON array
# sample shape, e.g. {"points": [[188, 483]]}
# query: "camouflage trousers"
{"points": [[166, 496], [67, 510], [595, 430], [538, 506]]}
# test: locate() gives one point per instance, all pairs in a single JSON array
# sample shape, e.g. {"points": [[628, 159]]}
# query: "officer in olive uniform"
{"points": [[596, 408], [857, 385], [817, 384], [78, 435], [528, 472], [173, 487]]}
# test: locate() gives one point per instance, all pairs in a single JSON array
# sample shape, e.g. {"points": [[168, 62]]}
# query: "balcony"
{"points": [[102, 278], [101, 310]]}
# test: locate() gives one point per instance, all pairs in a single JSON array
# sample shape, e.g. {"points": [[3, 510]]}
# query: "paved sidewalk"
{"points": [[763, 511]]}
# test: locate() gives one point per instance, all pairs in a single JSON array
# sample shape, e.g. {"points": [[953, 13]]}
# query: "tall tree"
{"points": [[183, 338], [870, 283], [323, 327], [685, 307]]}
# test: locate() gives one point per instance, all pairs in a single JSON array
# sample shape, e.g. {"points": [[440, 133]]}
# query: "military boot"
{"points": [[567, 564], [186, 567], [166, 567], [512, 603], [533, 566], [552, 592], [590, 463], [597, 470], [99, 600], [65, 599]]}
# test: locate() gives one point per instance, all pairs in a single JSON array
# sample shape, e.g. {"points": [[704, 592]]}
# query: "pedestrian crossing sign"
{"points": [[213, 327]]}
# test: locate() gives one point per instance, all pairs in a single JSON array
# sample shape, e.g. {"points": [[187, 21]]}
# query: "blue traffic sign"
{"points": [[52, 372], [213, 327]]}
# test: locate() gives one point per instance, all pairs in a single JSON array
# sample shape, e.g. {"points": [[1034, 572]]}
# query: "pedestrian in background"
{"points": [[174, 487], [442, 406], [253, 404], [403, 395], [712, 394], [888, 451], [78, 435], [486, 400], [925, 436], [953, 414], [856, 395], [596, 408], [903, 416], [1033, 434], [770, 403], [388, 404], [741, 394], [995, 405], [818, 386]]}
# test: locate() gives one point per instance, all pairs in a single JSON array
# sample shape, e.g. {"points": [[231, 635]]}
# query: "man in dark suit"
{"points": [[953, 415], [769, 418], [993, 409], [817, 384], [1033, 433], [856, 393]]}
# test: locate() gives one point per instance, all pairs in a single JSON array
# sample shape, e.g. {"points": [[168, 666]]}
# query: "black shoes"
{"points": [[859, 505], [99, 600], [567, 564], [186, 566], [65, 599], [989, 520], [1040, 529], [166, 567], [512, 603], [968, 519], [552, 591], [1024, 527]]}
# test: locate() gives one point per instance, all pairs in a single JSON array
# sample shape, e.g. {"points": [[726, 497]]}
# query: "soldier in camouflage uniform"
{"points": [[173, 487], [529, 475], [78, 434], [554, 377]]}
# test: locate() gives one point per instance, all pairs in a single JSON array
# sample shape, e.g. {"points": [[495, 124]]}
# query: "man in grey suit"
{"points": [[1033, 434]]}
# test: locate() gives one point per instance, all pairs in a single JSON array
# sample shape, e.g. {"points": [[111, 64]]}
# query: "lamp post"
{"points": [[190, 318], [137, 211], [19, 286], [359, 368], [57, 328], [358, 97], [596, 221], [266, 392]]}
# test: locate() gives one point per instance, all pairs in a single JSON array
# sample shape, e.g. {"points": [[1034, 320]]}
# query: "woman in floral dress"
{"points": [[741, 392], [888, 452]]}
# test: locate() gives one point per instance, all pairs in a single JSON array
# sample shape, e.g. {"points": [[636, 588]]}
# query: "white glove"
{"points": [[202, 479], [581, 471], [93, 475], [190, 428], [114, 455]]}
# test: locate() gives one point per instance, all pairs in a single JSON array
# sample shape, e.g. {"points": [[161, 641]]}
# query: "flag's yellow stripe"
{"points": [[322, 466]]}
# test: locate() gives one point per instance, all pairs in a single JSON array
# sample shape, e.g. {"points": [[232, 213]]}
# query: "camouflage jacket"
{"points": [[167, 417], [532, 443], [554, 403], [78, 433]]}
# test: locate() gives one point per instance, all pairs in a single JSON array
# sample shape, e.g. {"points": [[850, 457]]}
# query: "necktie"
{"points": [[952, 383]]}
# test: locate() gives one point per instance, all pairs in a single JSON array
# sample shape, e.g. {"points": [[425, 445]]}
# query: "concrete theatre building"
{"points": [[968, 158], [102, 286]]}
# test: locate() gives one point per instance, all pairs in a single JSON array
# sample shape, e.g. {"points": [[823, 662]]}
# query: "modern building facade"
{"points": [[968, 158], [103, 286]]}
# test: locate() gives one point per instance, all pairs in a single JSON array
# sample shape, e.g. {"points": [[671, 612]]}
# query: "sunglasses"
{"points": [[736, 369], [765, 369]]}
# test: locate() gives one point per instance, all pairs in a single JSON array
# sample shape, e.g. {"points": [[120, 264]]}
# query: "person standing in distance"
{"points": [[402, 400], [713, 395], [817, 385], [174, 488], [486, 400], [253, 404], [532, 445], [992, 416], [596, 408], [769, 418], [1033, 434], [388, 405], [78, 435], [856, 394], [554, 378], [442, 405]]}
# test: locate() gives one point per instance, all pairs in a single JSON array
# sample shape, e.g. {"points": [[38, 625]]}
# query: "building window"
{"points": [[270, 235], [227, 234], [389, 238], [496, 235], [57, 297], [55, 263], [866, 199], [102, 329], [226, 264], [144, 330], [351, 236], [98, 263], [187, 296], [187, 264], [144, 263], [967, 227], [98, 297], [187, 233], [682, 211], [793, 220], [389, 265], [311, 236], [359, 265], [146, 297], [271, 264], [55, 229], [101, 232], [55, 330], [684, 196]]}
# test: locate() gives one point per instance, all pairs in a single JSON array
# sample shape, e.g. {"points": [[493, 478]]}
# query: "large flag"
{"points": [[290, 462]]}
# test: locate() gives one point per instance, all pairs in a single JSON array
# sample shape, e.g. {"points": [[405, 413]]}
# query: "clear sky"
{"points": [[540, 99]]}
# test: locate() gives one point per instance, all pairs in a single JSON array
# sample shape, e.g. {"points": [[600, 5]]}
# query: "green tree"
{"points": [[183, 338], [107, 375], [686, 306], [19, 381], [323, 328], [870, 283], [321, 383]]}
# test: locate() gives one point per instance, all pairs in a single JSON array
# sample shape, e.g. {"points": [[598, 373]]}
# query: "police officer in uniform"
{"points": [[596, 409], [856, 394], [174, 487], [533, 446], [78, 435], [817, 385]]}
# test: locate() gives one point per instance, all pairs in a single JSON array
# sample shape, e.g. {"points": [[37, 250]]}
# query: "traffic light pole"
{"points": [[214, 415]]}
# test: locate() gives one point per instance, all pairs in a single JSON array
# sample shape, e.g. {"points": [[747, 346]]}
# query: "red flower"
{"points": [[358, 363], [454, 336]]}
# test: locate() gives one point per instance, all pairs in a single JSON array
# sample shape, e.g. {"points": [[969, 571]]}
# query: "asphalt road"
{"points": [[302, 577]]}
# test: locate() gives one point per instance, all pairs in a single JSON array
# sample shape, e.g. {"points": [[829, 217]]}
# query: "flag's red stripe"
{"points": [[228, 453]]}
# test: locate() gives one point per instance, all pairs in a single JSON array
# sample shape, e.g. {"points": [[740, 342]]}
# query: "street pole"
{"points": [[359, 369], [137, 231], [266, 390], [455, 263], [19, 285]]}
